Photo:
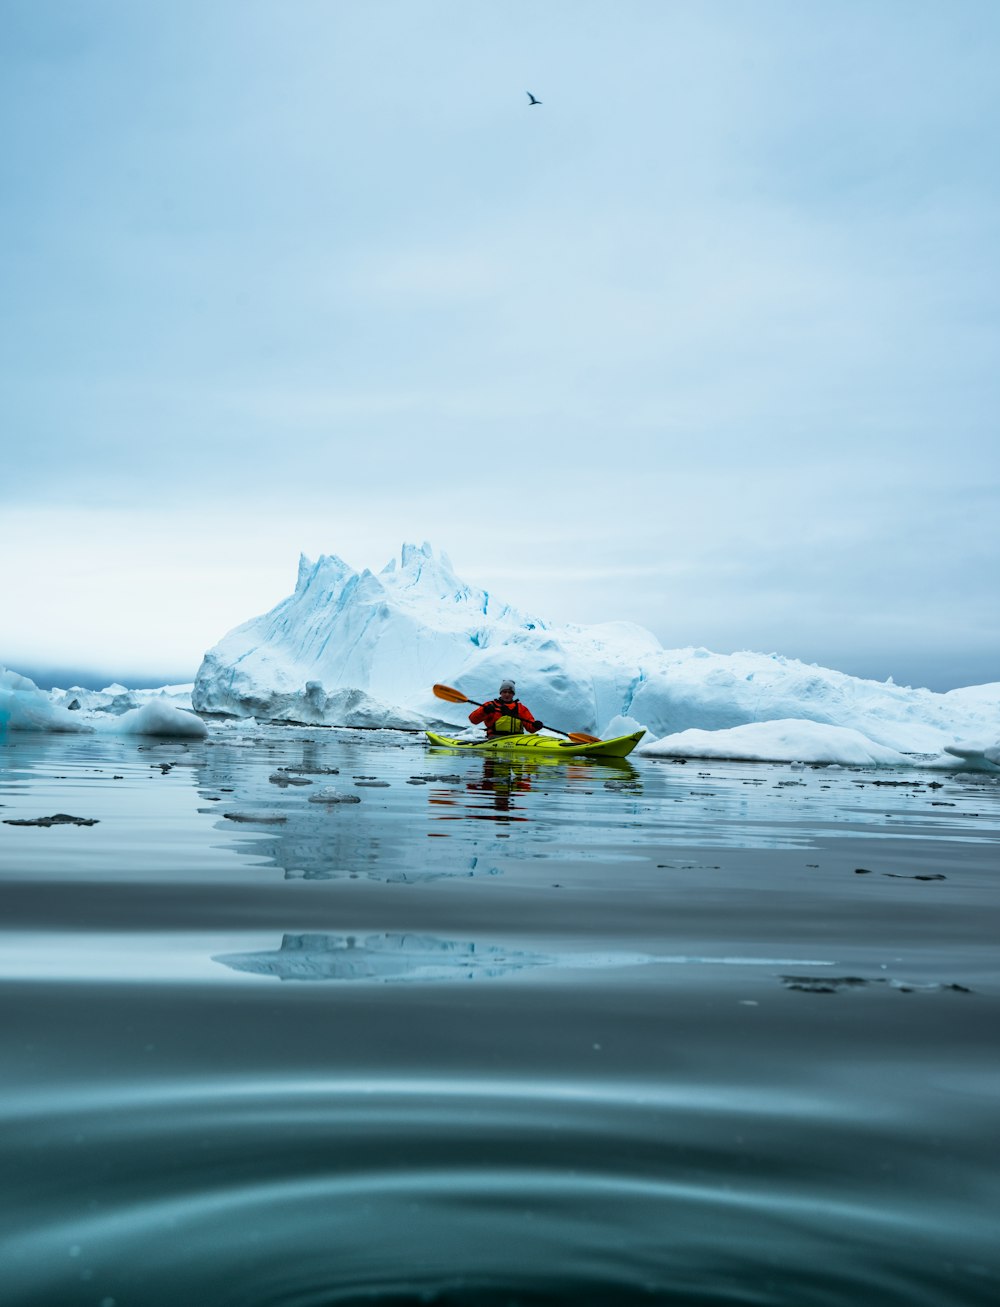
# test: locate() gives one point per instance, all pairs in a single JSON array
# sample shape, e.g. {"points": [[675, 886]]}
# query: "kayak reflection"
{"points": [[498, 793]]}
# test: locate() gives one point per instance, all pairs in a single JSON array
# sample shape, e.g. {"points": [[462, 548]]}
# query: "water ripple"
{"points": [[329, 1191]]}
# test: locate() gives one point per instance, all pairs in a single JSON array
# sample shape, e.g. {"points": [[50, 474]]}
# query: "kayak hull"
{"points": [[541, 746]]}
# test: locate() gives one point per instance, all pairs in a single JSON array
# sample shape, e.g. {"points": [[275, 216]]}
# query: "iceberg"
{"points": [[24, 707], [350, 648], [360, 649], [117, 699]]}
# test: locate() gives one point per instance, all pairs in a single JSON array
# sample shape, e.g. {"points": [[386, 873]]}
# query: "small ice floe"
{"points": [[372, 784], [311, 771], [283, 779], [329, 795], [257, 818], [57, 819]]}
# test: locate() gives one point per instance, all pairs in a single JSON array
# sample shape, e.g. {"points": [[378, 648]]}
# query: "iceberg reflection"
{"points": [[390, 956]]}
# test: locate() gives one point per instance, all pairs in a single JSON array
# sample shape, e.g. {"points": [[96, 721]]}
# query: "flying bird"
{"points": [[532, 99]]}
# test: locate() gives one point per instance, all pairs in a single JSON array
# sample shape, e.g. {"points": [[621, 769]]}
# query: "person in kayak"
{"points": [[505, 715]]}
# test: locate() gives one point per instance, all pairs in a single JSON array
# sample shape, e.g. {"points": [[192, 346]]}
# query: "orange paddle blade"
{"points": [[452, 696], [578, 737]]}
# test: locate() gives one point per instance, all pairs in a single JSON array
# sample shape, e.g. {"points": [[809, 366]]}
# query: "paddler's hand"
{"points": [[537, 725]]}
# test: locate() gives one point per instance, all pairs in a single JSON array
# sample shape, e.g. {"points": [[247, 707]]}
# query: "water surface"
{"points": [[499, 1032]]}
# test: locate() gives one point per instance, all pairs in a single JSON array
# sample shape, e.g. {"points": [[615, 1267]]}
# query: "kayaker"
{"points": [[505, 715]]}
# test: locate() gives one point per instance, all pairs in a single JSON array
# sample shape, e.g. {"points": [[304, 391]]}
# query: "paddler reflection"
{"points": [[502, 780]]}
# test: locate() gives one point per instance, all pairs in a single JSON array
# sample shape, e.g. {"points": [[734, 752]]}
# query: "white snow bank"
{"points": [[24, 707], [788, 740]]}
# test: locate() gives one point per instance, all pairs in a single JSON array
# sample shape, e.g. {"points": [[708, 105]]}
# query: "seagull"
{"points": [[532, 99]]}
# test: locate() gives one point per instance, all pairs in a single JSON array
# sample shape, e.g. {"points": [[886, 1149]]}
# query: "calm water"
{"points": [[503, 1034]]}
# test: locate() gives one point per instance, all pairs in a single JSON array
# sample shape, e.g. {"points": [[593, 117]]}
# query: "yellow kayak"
{"points": [[542, 746]]}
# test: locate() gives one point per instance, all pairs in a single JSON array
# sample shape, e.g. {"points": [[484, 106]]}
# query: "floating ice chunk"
{"points": [[621, 725], [24, 707], [329, 795], [158, 717], [781, 741], [283, 779], [981, 757]]}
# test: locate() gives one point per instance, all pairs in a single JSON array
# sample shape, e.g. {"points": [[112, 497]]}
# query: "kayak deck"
{"points": [[542, 745]]}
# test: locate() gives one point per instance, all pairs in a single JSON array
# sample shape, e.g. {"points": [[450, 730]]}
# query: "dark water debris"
{"points": [[840, 984], [57, 819], [261, 818]]}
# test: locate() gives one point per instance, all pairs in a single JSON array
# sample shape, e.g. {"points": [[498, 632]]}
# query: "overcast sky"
{"points": [[707, 341]]}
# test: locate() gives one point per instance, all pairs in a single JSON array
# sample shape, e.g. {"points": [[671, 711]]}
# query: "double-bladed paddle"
{"points": [[456, 696]]}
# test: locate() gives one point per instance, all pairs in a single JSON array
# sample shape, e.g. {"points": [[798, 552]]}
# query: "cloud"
{"points": [[708, 341]]}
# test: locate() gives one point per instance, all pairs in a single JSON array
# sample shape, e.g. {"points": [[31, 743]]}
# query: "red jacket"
{"points": [[491, 712]]}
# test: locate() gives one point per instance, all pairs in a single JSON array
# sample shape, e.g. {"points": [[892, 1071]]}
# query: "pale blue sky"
{"points": [[708, 341]]}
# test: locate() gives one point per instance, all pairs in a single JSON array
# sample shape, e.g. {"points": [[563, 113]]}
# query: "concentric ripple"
{"points": [[404, 1191]]}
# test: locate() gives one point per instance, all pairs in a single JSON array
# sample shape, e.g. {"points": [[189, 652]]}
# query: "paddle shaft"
{"points": [[456, 696]]}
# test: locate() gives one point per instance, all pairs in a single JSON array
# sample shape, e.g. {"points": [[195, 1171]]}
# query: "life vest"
{"points": [[507, 723]]}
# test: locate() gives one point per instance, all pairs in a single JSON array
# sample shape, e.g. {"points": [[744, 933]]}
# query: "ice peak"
{"points": [[421, 571], [328, 570], [305, 569], [411, 554]]}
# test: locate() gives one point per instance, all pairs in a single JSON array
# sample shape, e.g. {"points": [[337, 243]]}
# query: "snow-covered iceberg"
{"points": [[360, 649], [363, 649], [24, 707]]}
